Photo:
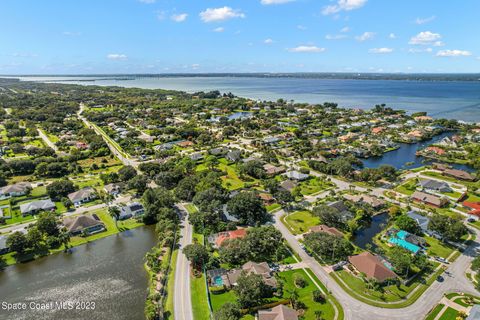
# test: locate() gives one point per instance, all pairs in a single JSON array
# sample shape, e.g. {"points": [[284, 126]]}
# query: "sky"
{"points": [[196, 36]]}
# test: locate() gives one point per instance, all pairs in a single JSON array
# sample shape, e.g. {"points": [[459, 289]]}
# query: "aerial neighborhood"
{"points": [[272, 210]]}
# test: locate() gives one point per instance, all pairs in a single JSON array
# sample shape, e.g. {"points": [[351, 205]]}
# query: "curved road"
{"points": [[454, 276]]}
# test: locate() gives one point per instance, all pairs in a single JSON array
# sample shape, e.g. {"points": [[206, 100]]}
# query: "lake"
{"points": [[108, 272], [443, 99], [407, 153], [365, 235]]}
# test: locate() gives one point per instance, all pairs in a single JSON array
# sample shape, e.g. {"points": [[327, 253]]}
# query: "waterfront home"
{"points": [[15, 190], [134, 209], [372, 266], [435, 186], [3, 245], [113, 189], [435, 150], [429, 199], [440, 166], [219, 238], [84, 225], [459, 174], [280, 312], [374, 202], [296, 175], [82, 196], [326, 229], [37, 206]]}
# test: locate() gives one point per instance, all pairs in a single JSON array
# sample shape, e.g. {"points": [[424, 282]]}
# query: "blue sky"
{"points": [[164, 36]]}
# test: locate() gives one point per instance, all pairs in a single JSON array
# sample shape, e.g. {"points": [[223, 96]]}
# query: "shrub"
{"points": [[318, 296], [299, 281]]}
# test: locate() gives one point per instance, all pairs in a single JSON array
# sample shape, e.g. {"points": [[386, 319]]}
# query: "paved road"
{"points": [[49, 142], [182, 305], [455, 280]]}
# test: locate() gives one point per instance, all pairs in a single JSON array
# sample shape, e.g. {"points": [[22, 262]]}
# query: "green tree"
{"points": [[330, 248], [17, 242], [228, 311], [126, 173], [59, 189], [197, 254], [329, 216], [408, 224], [251, 290], [47, 224], [248, 208]]}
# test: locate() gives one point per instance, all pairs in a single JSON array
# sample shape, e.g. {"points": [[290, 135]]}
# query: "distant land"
{"points": [[305, 75]]}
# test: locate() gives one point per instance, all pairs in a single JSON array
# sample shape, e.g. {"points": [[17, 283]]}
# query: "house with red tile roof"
{"points": [[474, 207], [372, 266], [219, 238], [436, 150]]}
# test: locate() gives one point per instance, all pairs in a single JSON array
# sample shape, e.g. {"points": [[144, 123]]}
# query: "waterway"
{"points": [[108, 272], [365, 235], [406, 153]]}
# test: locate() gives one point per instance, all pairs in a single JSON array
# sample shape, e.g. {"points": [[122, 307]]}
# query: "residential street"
{"points": [[182, 297], [455, 280]]}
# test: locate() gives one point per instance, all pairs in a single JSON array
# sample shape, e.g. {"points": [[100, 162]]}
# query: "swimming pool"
{"points": [[218, 281]]}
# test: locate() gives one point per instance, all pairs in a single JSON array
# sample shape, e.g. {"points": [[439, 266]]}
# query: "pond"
{"points": [[407, 154], [365, 235], [108, 272]]}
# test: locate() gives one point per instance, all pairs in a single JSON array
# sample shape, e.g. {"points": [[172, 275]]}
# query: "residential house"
{"points": [[219, 238], [374, 202], [220, 151], [261, 269], [197, 156], [15, 190], [326, 229], [271, 140], [429, 199], [266, 198], [185, 144], [288, 185], [82, 196], [435, 150], [459, 174], [272, 170], [280, 312], [3, 245], [435, 186], [134, 209], [113, 189], [84, 225], [421, 220], [401, 239], [372, 266], [296, 175], [233, 156], [37, 206], [343, 210], [474, 207]]}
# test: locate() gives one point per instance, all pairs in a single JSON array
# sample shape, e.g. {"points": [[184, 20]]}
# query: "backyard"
{"points": [[300, 221]]}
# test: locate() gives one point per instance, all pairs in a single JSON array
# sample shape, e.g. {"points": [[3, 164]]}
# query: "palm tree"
{"points": [[294, 298], [115, 214], [318, 315]]}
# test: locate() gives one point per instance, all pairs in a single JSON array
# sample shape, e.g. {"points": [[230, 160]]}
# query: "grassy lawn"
{"points": [[449, 314], [273, 207], [433, 314], [199, 298], [38, 191], [300, 221], [231, 181], [109, 226], [191, 208], [407, 188], [314, 185], [437, 248], [218, 300]]}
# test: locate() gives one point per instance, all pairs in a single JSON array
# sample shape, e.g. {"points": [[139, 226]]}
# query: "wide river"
{"points": [[108, 272], [448, 99]]}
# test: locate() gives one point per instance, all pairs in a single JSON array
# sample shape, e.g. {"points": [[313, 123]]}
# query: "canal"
{"points": [[108, 272], [407, 154], [365, 235]]}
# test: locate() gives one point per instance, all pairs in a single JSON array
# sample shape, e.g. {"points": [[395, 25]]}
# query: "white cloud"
{"points": [[179, 17], [147, 1], [116, 56], [161, 15], [416, 50], [424, 20], [345, 29], [195, 66], [365, 36], [219, 29], [220, 14], [268, 41], [335, 36], [426, 38], [269, 2], [381, 50], [307, 49], [300, 27], [453, 53], [343, 5], [392, 35]]}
